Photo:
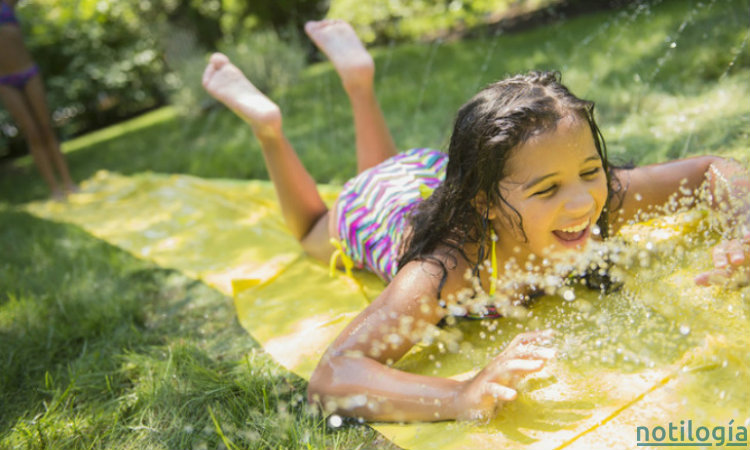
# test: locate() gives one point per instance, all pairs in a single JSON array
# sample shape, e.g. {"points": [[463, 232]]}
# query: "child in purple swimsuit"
{"points": [[22, 94], [526, 178]]}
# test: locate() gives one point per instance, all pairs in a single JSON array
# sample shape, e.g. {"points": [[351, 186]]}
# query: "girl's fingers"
{"points": [[527, 353], [520, 366], [532, 344], [509, 372], [719, 256], [730, 252], [714, 277], [702, 279], [737, 257], [728, 257], [735, 252], [544, 353], [543, 337], [500, 392], [531, 352]]}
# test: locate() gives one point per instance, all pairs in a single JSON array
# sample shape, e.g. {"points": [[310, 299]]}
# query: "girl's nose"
{"points": [[580, 202]]}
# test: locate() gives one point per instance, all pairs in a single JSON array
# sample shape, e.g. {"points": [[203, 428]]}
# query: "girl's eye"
{"points": [[591, 173], [549, 190]]}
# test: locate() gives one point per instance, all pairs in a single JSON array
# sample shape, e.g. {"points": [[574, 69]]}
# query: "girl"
{"points": [[22, 93], [526, 177]]}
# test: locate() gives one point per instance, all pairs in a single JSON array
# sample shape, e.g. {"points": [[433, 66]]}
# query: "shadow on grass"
{"points": [[100, 349]]}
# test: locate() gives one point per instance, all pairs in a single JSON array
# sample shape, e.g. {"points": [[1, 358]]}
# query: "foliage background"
{"points": [[105, 61]]}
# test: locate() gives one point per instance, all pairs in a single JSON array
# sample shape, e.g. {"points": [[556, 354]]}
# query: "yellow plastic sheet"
{"points": [[660, 351]]}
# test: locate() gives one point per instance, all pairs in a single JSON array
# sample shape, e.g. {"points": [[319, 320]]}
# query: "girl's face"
{"points": [[557, 184]]}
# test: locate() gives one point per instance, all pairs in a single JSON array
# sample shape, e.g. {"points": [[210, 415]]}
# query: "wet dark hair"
{"points": [[487, 129]]}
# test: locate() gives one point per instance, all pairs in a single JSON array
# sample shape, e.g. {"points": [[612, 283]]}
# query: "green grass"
{"points": [[102, 350], [153, 118]]}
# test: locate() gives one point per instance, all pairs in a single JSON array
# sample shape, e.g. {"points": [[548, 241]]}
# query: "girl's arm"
{"points": [[728, 185], [354, 377]]}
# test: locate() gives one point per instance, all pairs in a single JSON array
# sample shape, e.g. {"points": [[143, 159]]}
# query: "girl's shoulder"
{"points": [[447, 265]]}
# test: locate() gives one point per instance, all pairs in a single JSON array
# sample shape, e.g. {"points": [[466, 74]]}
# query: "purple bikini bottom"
{"points": [[19, 79]]}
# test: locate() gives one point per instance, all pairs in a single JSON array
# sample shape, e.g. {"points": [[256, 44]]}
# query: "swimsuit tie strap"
{"points": [[348, 265], [346, 260], [425, 191], [493, 276]]}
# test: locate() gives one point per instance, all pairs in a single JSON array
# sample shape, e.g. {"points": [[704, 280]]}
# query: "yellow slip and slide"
{"points": [[659, 352]]}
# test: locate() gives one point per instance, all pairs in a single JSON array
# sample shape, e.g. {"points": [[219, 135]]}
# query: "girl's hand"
{"points": [[482, 396], [731, 264]]}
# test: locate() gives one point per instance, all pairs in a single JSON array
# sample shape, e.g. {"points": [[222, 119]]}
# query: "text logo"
{"points": [[687, 434]]}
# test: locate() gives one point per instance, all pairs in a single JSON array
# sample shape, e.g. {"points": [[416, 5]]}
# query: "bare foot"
{"points": [[226, 83], [341, 45], [58, 195]]}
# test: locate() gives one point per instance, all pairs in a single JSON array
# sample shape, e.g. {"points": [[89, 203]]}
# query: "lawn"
{"points": [[99, 349]]}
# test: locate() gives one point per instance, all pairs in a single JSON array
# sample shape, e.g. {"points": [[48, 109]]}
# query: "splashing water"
{"points": [[658, 318]]}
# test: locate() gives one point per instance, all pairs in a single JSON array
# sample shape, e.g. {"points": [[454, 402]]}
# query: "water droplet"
{"points": [[359, 400], [673, 45], [335, 421], [596, 230], [684, 330], [569, 295]]}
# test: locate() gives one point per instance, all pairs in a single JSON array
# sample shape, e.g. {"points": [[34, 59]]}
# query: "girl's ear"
{"points": [[481, 205]]}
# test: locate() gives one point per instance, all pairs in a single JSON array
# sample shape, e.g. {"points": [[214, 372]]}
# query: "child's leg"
{"points": [[34, 91], [301, 204], [16, 103], [356, 68]]}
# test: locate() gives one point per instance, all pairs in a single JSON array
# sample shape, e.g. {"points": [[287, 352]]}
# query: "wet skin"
{"points": [[556, 183]]}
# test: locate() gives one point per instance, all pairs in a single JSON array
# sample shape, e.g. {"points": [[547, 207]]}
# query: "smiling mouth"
{"points": [[573, 235]]}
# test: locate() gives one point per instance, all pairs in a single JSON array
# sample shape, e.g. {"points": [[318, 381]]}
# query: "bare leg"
{"points": [[356, 68], [34, 92], [20, 110], [300, 201]]}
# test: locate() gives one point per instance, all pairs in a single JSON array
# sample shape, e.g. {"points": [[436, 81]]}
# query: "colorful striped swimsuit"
{"points": [[372, 208]]}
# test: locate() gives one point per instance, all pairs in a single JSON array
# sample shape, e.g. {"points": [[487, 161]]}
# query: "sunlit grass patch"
{"points": [[130, 126], [102, 350]]}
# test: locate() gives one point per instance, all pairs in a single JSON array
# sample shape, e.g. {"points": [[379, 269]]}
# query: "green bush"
{"points": [[99, 61], [385, 20], [106, 61]]}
